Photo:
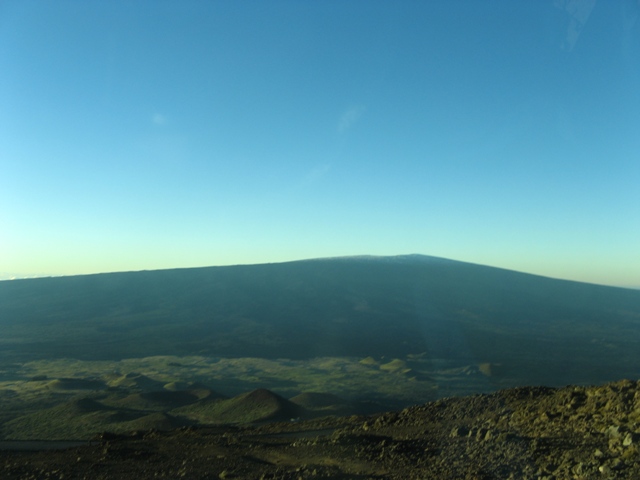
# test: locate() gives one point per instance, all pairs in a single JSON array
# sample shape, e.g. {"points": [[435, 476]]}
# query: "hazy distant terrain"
{"points": [[393, 330]]}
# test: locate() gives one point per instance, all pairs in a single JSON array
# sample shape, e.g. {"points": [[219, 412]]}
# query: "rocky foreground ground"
{"points": [[522, 433]]}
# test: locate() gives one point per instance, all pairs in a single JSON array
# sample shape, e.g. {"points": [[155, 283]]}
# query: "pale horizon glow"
{"points": [[152, 135]]}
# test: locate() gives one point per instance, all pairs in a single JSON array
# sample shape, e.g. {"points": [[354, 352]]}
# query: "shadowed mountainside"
{"points": [[533, 328]]}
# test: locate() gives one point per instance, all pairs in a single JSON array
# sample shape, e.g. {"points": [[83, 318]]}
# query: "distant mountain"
{"points": [[538, 329]]}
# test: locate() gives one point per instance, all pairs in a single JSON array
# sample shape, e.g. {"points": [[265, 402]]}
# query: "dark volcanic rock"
{"points": [[523, 433]]}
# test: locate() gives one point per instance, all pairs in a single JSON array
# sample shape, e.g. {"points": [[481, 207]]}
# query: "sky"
{"points": [[161, 134]]}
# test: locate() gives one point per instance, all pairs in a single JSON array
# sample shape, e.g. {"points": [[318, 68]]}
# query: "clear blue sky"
{"points": [[146, 134]]}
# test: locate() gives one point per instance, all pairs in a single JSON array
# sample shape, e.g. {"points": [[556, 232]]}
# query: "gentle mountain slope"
{"points": [[538, 330]]}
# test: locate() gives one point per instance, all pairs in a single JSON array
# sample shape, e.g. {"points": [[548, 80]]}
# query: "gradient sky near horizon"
{"points": [[153, 134]]}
